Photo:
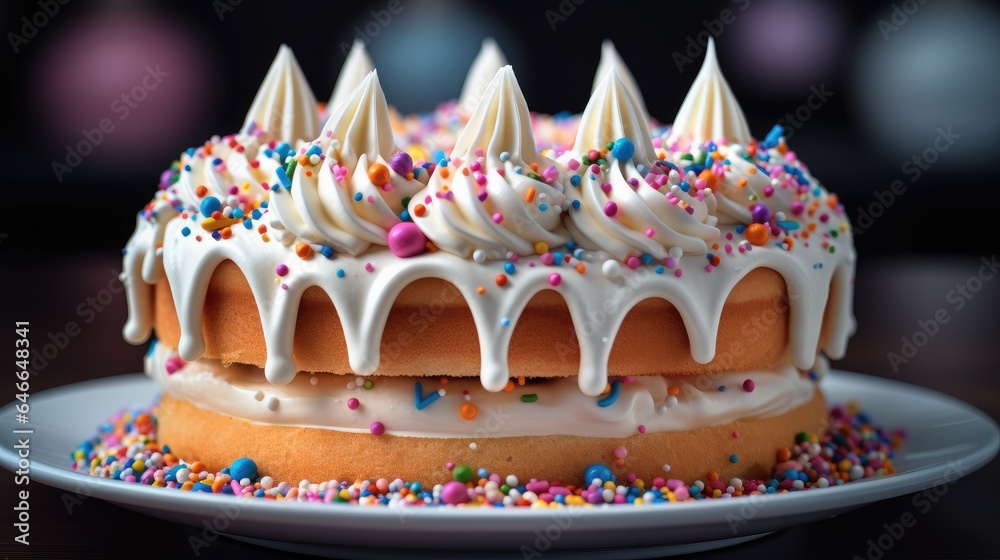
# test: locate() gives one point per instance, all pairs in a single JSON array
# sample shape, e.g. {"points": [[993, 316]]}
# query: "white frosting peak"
{"points": [[284, 108], [611, 59], [360, 123], [356, 68], [500, 123], [485, 66], [710, 111], [614, 113]]}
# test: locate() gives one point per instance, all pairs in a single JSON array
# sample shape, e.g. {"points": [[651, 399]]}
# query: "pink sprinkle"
{"points": [[729, 236], [482, 196], [621, 452], [284, 286], [173, 364], [377, 428], [449, 465], [700, 184], [748, 386], [736, 435], [547, 259], [678, 273], [642, 428], [479, 177], [371, 199], [476, 166], [595, 169], [729, 248], [797, 207], [670, 262], [650, 232], [606, 187], [428, 199], [281, 269], [573, 164], [551, 173], [479, 152], [633, 262], [708, 268], [768, 190], [633, 182], [555, 279], [657, 142], [369, 267], [610, 208], [498, 217], [501, 172], [353, 403]]}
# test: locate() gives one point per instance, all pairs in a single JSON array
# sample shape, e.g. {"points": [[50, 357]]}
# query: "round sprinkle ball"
{"points": [[462, 473], [378, 174], [454, 493], [406, 240], [353, 403], [401, 163], [468, 411], [599, 472], [610, 208], [243, 468], [749, 386], [757, 234], [623, 148], [377, 428]]}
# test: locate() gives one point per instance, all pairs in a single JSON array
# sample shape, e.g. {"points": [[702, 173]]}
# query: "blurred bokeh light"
{"points": [[83, 72], [786, 46], [938, 68]]}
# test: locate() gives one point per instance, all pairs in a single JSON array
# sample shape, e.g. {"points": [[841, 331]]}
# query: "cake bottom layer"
{"points": [[306, 453]]}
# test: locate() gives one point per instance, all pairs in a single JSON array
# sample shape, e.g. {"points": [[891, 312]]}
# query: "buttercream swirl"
{"points": [[343, 191], [497, 194], [631, 204], [284, 107]]}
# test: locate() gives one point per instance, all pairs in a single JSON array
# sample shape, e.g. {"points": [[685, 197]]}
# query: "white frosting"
{"points": [[284, 108], [331, 199], [321, 401], [356, 68], [649, 218], [488, 176], [486, 64], [710, 111], [611, 59]]}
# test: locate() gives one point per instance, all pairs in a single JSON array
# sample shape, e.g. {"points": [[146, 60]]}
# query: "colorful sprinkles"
{"points": [[126, 448]]}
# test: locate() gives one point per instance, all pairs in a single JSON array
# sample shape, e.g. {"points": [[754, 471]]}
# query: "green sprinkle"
{"points": [[462, 473], [529, 398], [369, 384]]}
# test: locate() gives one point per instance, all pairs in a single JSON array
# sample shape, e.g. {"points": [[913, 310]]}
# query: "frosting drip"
{"points": [[321, 401], [344, 192], [284, 108], [710, 112], [497, 194]]}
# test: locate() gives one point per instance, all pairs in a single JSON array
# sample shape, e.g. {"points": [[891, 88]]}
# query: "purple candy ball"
{"points": [[454, 493], [401, 163], [406, 240], [759, 213]]}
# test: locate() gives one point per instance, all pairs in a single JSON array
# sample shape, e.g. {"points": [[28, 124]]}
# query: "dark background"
{"points": [[894, 83]]}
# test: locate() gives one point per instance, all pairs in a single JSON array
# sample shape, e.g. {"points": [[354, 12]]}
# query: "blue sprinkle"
{"points": [[517, 169], [314, 150], [186, 231], [283, 150], [774, 136], [611, 398], [341, 273], [557, 258], [190, 152], [187, 168], [326, 251], [722, 388], [237, 214], [210, 204], [646, 258], [505, 322], [504, 156], [509, 267], [575, 180], [263, 204], [243, 468], [740, 229], [598, 471], [201, 487], [623, 149], [283, 177], [543, 207], [483, 473], [404, 216], [358, 197], [576, 204], [248, 224], [256, 214], [438, 156], [684, 185], [570, 245], [216, 235], [659, 270], [789, 225]]}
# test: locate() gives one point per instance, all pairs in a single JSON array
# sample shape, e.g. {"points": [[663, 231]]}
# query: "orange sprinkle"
{"points": [[465, 171], [520, 380], [832, 201], [261, 228], [710, 179], [303, 160], [509, 387], [673, 390], [783, 148], [309, 173], [443, 172], [715, 246], [501, 280], [790, 242], [187, 485], [468, 411], [811, 226], [713, 476], [303, 250], [534, 166], [419, 210], [620, 462], [431, 247], [742, 182], [197, 467], [752, 169], [201, 190], [530, 195], [783, 455], [757, 234], [581, 268], [378, 174], [480, 290], [226, 232], [444, 380]]}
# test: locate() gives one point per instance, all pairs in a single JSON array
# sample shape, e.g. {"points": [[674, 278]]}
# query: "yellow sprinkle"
{"points": [[246, 185], [541, 247]]}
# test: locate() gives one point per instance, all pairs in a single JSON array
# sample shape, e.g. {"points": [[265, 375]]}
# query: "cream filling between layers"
{"points": [[320, 401]]}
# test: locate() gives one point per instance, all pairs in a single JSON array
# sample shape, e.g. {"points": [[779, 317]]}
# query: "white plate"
{"points": [[947, 439]]}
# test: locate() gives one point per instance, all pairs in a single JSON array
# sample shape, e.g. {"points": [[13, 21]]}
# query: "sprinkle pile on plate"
{"points": [[126, 449]]}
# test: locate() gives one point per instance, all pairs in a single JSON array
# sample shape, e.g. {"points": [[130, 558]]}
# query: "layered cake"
{"points": [[369, 295]]}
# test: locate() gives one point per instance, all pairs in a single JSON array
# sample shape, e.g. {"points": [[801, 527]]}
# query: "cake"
{"points": [[337, 307]]}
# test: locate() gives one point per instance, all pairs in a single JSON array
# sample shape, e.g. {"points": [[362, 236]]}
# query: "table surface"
{"points": [[893, 295]]}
